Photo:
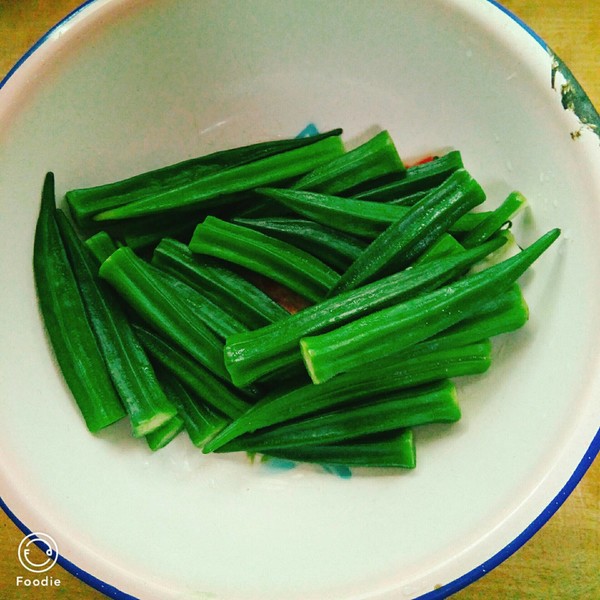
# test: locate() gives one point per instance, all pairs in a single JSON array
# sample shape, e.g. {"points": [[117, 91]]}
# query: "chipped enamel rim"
{"points": [[574, 99]]}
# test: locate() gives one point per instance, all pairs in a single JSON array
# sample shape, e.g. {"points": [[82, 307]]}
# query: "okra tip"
{"points": [[48, 194], [49, 180], [545, 241]]}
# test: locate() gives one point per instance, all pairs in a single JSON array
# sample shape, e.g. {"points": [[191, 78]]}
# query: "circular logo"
{"points": [[34, 560]]}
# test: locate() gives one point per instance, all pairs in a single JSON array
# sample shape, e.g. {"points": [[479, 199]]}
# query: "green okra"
{"points": [[376, 158], [70, 333], [510, 313], [146, 293], [142, 241], [356, 217], [277, 260], [222, 186], [165, 434], [409, 200], [389, 376], [325, 222], [402, 325], [128, 366], [338, 250], [85, 203], [253, 355], [250, 305], [212, 390], [408, 238], [506, 312], [221, 322], [423, 177], [434, 403], [445, 246], [101, 245], [394, 449], [200, 421], [513, 203], [143, 232], [258, 207]]}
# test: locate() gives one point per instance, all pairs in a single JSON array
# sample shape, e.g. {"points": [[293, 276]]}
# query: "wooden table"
{"points": [[563, 560]]}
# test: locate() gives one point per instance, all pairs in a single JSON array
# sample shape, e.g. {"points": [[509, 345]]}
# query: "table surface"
{"points": [[563, 559]]}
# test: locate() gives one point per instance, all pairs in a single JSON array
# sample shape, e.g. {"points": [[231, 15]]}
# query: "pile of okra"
{"points": [[290, 298]]}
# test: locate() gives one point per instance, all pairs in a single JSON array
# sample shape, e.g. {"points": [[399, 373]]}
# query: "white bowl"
{"points": [[122, 86]]}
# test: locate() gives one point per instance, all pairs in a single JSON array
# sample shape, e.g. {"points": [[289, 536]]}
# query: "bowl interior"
{"points": [[124, 87]]}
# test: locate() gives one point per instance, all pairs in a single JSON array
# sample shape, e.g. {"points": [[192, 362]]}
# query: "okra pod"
{"points": [[219, 321], [277, 260], [391, 329], [409, 200], [224, 287], [87, 202], [338, 250], [435, 403], [506, 312], [252, 355], [164, 434], [393, 450], [356, 217], [510, 313], [67, 325], [128, 366], [423, 177], [157, 305], [209, 190], [201, 422], [209, 388], [445, 246], [101, 245], [391, 375], [376, 158], [408, 238]]}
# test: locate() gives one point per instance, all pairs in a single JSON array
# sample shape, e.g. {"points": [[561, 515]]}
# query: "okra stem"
{"points": [[495, 220]]}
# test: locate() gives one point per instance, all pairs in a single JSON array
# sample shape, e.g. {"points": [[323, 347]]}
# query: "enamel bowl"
{"points": [[123, 86]]}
